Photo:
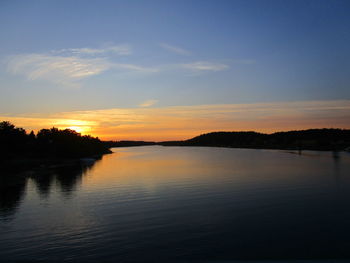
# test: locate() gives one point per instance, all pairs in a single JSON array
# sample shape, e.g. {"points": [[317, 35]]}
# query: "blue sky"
{"points": [[58, 56]]}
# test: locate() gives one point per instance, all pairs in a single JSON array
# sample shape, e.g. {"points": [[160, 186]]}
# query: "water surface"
{"points": [[182, 203]]}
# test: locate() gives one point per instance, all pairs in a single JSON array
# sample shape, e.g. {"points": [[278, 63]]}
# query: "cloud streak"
{"points": [[204, 66], [68, 67], [133, 67], [175, 49], [57, 69], [68, 70], [148, 103], [121, 50]]}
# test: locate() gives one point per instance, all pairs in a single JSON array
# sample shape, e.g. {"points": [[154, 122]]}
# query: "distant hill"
{"points": [[313, 139]]}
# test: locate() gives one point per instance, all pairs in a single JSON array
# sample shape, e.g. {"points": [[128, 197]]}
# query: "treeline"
{"points": [[313, 139], [47, 143]]}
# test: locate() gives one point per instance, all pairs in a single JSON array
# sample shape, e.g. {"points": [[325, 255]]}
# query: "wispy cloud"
{"points": [[175, 49], [133, 67], [205, 66], [68, 67], [183, 122], [57, 69], [148, 103], [116, 49]]}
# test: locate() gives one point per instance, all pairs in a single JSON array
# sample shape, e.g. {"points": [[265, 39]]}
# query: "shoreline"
{"points": [[257, 148]]}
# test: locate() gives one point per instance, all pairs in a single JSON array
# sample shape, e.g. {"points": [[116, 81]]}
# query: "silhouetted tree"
{"points": [[52, 142], [68, 143], [12, 139]]}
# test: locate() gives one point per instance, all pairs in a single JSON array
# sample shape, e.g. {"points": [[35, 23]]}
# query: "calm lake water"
{"points": [[182, 203]]}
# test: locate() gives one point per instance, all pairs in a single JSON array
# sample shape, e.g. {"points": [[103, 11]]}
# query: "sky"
{"points": [[164, 70]]}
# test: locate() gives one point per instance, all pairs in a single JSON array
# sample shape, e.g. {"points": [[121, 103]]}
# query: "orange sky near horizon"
{"points": [[184, 122]]}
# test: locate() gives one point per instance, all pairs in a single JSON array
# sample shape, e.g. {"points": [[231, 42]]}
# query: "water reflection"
{"points": [[67, 178], [11, 194], [13, 186], [185, 203], [43, 184]]}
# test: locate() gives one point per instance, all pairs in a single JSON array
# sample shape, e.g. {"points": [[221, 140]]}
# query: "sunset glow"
{"points": [[184, 122], [79, 129]]}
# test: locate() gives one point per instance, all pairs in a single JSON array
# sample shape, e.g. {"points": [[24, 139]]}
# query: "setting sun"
{"points": [[75, 128], [79, 129]]}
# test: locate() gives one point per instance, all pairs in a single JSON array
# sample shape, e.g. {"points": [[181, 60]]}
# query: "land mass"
{"points": [[312, 139], [20, 150], [52, 144], [53, 148]]}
